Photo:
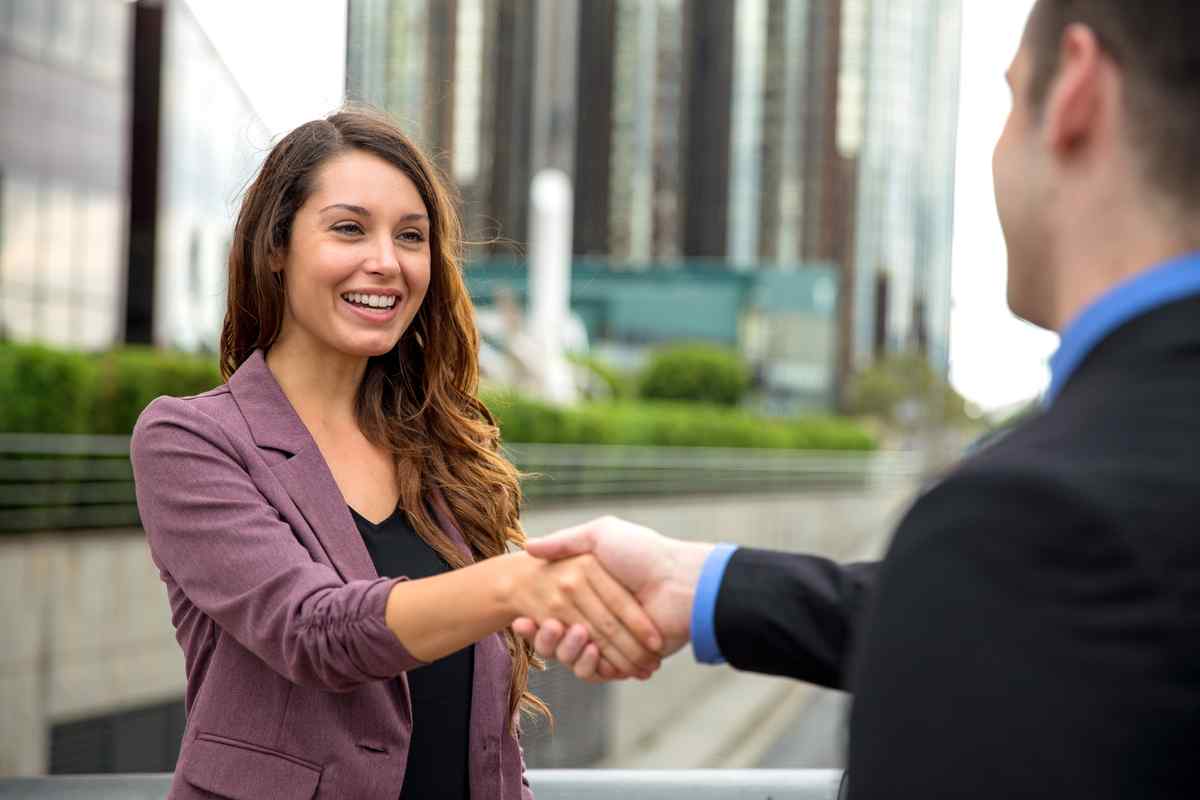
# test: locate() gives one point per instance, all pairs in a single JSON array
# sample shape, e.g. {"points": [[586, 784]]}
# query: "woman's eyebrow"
{"points": [[415, 216], [348, 207]]}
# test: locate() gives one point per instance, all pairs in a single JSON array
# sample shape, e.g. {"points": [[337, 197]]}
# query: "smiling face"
{"points": [[358, 261]]}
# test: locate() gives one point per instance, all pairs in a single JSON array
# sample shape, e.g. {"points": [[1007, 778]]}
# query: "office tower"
{"points": [[905, 195], [124, 145]]}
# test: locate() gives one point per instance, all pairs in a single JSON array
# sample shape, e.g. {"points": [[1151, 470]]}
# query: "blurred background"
{"points": [[782, 303]]}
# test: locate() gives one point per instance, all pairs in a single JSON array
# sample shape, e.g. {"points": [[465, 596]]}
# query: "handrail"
{"points": [[552, 784], [55, 482]]}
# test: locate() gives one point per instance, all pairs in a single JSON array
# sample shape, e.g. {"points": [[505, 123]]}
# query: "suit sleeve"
{"points": [[793, 615], [233, 556], [995, 658]]}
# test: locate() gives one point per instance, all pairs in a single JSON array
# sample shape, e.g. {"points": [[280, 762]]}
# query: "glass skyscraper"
{"points": [[124, 146], [740, 134]]}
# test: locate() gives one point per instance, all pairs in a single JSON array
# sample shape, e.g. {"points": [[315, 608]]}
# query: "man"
{"points": [[1034, 630]]}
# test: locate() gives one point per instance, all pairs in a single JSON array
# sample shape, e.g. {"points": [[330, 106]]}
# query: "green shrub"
{"points": [[668, 425], [883, 389], [45, 390], [129, 378], [55, 391], [617, 385], [696, 373], [52, 391]]}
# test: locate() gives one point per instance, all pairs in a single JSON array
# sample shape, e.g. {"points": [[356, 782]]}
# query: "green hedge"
{"points": [[129, 379], [51, 391], [45, 391], [669, 425], [695, 373]]}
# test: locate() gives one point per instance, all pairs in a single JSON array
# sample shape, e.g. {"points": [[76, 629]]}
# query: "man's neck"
{"points": [[1103, 262]]}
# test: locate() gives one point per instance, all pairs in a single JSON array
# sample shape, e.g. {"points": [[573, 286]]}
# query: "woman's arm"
{"points": [[439, 615], [211, 529]]}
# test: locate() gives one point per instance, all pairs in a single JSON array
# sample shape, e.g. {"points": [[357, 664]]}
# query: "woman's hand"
{"points": [[569, 646], [604, 622]]}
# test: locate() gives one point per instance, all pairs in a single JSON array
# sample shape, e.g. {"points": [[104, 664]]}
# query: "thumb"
{"points": [[563, 544]]}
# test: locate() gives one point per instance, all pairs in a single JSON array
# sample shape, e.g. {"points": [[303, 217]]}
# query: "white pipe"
{"points": [[551, 202]]}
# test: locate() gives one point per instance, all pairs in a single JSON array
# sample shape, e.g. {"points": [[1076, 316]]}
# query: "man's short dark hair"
{"points": [[1155, 44]]}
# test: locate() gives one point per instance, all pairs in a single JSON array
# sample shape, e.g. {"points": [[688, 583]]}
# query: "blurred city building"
{"points": [[124, 143], [731, 136]]}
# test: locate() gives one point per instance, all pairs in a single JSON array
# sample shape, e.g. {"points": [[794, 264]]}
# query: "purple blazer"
{"points": [[295, 686]]}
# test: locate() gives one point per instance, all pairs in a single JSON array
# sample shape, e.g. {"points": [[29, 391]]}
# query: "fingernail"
{"points": [[656, 643]]}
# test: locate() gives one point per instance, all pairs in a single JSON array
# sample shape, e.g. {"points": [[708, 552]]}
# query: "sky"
{"points": [[289, 56], [996, 360]]}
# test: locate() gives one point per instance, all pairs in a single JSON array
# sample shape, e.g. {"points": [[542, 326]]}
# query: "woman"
{"points": [[347, 444]]}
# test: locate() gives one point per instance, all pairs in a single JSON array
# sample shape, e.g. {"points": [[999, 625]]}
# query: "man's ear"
{"points": [[1075, 102]]}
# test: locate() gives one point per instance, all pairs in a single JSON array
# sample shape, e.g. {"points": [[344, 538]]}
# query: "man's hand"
{"points": [[661, 573]]}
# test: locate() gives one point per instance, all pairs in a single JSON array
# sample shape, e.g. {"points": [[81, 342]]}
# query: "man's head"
{"points": [[1103, 139]]}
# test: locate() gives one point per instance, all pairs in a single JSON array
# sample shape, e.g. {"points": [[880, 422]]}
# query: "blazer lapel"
{"points": [[305, 476]]}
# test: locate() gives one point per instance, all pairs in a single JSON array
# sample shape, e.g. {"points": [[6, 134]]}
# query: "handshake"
{"points": [[626, 604]]}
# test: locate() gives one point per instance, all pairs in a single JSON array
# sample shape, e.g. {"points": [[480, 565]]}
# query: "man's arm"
{"points": [[763, 611], [794, 615]]}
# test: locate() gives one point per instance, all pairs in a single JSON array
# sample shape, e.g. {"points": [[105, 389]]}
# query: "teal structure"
{"points": [[782, 320]]}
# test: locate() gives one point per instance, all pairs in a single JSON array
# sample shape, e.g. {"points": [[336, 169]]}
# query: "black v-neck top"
{"points": [[441, 691]]}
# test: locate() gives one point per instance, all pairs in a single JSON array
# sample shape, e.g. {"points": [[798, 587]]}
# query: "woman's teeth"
{"points": [[370, 300]]}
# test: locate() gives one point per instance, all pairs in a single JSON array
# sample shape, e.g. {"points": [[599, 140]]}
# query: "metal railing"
{"points": [[58, 482], [552, 784], [579, 471]]}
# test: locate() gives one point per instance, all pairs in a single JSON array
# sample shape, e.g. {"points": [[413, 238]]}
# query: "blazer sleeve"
{"points": [[1002, 621], [792, 615], [214, 532]]}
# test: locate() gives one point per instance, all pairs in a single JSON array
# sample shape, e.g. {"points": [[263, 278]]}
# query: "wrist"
{"points": [[512, 572], [686, 562], [684, 565]]}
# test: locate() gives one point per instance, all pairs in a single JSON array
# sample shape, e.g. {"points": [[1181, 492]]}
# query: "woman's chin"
{"points": [[368, 347]]}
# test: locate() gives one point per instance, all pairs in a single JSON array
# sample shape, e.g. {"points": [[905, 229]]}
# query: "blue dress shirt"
{"points": [[1174, 280]]}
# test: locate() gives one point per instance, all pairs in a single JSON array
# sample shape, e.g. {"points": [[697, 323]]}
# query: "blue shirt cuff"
{"points": [[704, 606]]}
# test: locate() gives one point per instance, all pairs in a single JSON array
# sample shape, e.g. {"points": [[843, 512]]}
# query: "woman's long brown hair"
{"points": [[419, 400]]}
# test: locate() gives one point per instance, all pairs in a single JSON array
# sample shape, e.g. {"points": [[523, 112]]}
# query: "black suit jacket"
{"points": [[1034, 630]]}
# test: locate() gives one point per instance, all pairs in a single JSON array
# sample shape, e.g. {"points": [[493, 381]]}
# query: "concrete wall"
{"points": [[85, 628]]}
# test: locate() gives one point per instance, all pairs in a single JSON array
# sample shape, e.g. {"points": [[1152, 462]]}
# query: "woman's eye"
{"points": [[412, 237], [348, 228]]}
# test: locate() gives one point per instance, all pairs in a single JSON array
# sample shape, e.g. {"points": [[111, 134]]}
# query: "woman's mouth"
{"points": [[379, 302], [379, 309]]}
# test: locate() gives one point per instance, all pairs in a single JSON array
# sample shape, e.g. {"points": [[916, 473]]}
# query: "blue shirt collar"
{"points": [[1174, 280]]}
